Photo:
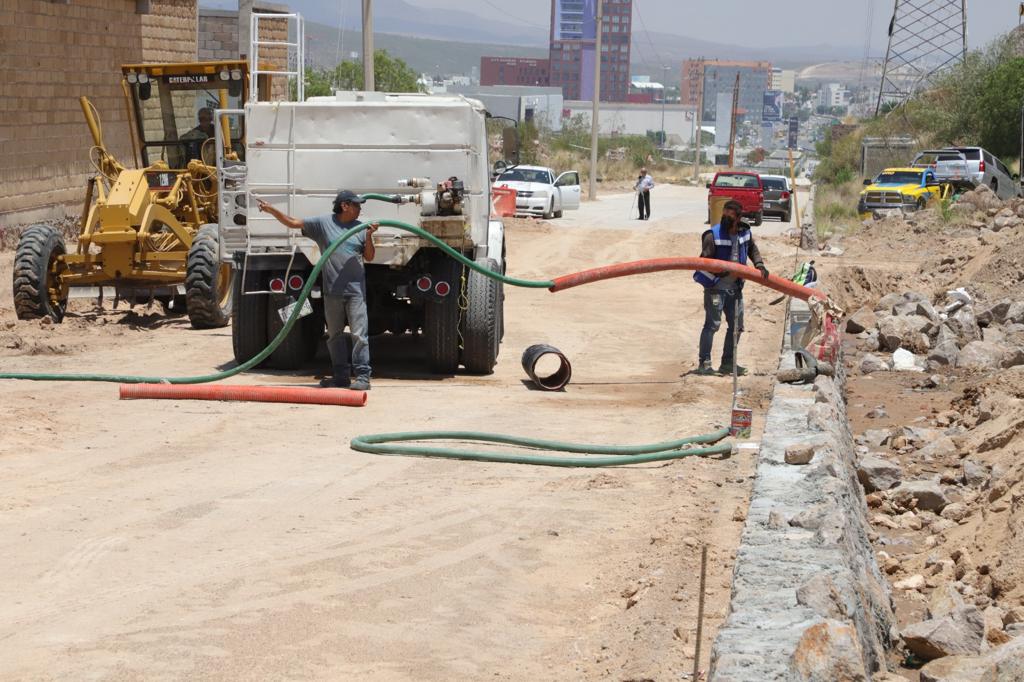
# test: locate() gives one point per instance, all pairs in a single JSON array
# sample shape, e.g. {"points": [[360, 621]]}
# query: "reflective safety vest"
{"points": [[723, 251]]}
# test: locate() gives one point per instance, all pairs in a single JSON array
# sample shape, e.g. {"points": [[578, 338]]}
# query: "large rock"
{"points": [[944, 601], [926, 310], [903, 331], [1002, 664], [975, 475], [959, 632], [1014, 313], [828, 651], [888, 302], [943, 355], [964, 325], [994, 314], [939, 448], [980, 355], [929, 495], [861, 321], [1013, 356], [875, 473], [872, 363]]}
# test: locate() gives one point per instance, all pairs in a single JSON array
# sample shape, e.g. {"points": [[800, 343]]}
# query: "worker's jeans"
{"points": [[717, 301], [644, 201], [351, 309]]}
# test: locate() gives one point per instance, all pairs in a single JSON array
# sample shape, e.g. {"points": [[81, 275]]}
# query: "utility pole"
{"points": [[664, 96], [595, 111], [698, 131], [368, 84], [734, 116]]}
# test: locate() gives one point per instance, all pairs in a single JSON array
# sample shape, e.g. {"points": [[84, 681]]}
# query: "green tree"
{"points": [[1002, 92], [390, 74]]}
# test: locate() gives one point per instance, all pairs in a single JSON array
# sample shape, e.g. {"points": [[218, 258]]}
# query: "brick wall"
{"points": [[218, 35], [54, 52]]}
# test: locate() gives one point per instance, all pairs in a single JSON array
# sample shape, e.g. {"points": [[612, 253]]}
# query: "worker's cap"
{"points": [[348, 197]]}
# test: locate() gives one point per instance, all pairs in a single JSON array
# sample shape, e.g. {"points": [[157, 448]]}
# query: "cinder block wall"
{"points": [[52, 53], [218, 34]]}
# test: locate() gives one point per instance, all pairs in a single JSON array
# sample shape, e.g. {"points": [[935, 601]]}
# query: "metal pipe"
{"points": [[553, 382]]}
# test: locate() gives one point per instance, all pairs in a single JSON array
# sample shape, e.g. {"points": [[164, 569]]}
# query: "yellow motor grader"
{"points": [[149, 232]]}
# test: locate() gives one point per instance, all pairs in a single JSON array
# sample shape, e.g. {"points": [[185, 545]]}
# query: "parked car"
{"points": [[744, 187], [984, 168], [901, 189], [949, 165], [778, 196], [539, 192]]}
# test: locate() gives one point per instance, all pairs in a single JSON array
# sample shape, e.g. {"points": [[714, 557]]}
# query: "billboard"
{"points": [[772, 109], [794, 132]]}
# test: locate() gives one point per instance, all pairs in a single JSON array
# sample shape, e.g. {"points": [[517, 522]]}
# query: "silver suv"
{"points": [[983, 168]]}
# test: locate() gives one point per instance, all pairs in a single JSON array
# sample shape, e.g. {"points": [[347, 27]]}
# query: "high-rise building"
{"points": [[513, 71], [783, 80], [719, 76], [574, 43]]}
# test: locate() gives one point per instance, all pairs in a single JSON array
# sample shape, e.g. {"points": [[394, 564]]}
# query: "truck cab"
{"points": [[902, 190], [429, 155]]}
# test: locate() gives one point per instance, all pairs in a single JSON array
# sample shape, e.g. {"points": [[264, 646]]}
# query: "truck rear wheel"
{"points": [[441, 318], [758, 219], [299, 346], [248, 323], [482, 322], [37, 271], [208, 290]]}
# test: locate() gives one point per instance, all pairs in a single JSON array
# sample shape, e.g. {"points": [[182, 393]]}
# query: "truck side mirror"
{"points": [[510, 144]]}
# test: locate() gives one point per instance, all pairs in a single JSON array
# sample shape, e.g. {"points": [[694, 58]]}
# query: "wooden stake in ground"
{"points": [[700, 611]]}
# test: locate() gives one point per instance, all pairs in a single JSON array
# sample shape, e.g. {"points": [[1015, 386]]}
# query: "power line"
{"points": [[647, 34], [507, 15]]}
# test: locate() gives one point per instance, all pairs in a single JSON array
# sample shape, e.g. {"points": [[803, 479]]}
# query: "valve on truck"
{"points": [[450, 194]]}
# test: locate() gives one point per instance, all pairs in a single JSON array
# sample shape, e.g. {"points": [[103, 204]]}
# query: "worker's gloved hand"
{"points": [[763, 270]]}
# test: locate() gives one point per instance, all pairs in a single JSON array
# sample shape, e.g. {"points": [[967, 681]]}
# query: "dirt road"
{"points": [[170, 540]]}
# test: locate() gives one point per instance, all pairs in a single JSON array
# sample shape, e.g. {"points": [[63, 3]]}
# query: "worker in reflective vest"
{"points": [[729, 240]]}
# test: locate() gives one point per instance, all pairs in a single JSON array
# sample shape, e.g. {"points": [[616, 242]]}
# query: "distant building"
{"points": [[642, 90], [718, 76], [543, 106], [833, 95], [573, 45], [784, 80], [622, 118], [514, 71]]}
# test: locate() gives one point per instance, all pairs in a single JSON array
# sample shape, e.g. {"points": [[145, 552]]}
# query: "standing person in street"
{"points": [[729, 240], [644, 185], [344, 285]]}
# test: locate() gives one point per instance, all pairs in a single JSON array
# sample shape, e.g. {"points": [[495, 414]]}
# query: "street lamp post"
{"points": [[664, 96]]}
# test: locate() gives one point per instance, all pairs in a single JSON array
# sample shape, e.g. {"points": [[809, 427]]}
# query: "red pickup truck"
{"points": [[744, 187]]}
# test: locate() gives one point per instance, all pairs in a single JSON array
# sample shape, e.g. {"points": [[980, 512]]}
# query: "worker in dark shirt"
{"points": [[344, 285], [729, 240]]}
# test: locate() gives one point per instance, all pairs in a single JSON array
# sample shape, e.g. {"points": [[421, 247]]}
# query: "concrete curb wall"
{"points": [[808, 600]]}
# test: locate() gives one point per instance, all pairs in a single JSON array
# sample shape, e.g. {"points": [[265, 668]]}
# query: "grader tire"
{"points": [[208, 290], [35, 264], [482, 334]]}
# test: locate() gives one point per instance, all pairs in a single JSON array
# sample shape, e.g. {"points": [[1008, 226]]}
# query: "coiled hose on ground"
{"points": [[609, 455]]}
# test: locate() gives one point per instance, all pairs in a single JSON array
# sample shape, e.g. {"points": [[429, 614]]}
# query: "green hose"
{"points": [[613, 455], [292, 319], [610, 455]]}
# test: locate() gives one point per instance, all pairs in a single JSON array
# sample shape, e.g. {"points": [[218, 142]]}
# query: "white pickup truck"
{"points": [[539, 192]]}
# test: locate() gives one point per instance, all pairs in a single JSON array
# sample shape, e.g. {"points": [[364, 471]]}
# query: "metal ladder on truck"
{"points": [[235, 199]]}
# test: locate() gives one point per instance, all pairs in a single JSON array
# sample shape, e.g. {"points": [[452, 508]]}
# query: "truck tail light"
{"points": [[785, 195], [442, 288], [277, 285], [424, 284], [981, 166], [295, 282]]}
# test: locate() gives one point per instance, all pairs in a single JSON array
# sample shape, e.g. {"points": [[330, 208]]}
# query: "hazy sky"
{"points": [[778, 22]]}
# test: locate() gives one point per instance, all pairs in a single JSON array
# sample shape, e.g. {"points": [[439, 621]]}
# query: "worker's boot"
{"points": [[727, 368], [705, 368], [361, 384], [340, 379]]}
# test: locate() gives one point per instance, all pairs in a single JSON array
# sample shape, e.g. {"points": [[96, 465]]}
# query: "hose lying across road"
{"points": [[611, 455]]}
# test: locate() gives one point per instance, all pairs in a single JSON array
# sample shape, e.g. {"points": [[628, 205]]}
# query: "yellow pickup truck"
{"points": [[901, 189]]}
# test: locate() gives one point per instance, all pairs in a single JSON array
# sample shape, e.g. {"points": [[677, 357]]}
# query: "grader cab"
{"points": [[149, 232]]}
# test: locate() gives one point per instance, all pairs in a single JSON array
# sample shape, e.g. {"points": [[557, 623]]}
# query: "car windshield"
{"points": [[736, 180], [773, 183], [525, 175], [898, 178]]}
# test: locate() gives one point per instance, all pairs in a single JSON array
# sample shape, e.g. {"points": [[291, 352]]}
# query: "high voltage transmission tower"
{"points": [[925, 36]]}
